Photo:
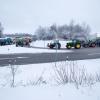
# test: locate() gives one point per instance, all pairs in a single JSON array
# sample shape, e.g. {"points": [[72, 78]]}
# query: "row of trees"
{"points": [[69, 31]]}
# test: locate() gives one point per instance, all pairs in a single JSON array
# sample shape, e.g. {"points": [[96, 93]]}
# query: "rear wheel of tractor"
{"points": [[77, 46], [22, 45], [93, 45]]}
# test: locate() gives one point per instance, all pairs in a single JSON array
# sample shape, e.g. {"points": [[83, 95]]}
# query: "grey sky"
{"points": [[27, 15]]}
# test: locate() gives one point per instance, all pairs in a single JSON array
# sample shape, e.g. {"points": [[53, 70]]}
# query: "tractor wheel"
{"points": [[93, 45], [77, 46], [16, 45], [68, 46]]}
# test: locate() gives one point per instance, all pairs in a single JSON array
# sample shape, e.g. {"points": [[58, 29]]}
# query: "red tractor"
{"points": [[23, 41]]}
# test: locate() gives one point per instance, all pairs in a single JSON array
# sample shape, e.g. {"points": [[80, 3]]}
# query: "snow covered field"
{"points": [[37, 81], [44, 43], [66, 92], [10, 49]]}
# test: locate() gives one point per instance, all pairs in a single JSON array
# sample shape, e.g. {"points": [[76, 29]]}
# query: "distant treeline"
{"points": [[67, 31]]}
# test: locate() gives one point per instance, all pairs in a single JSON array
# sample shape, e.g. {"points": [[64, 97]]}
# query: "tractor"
{"points": [[6, 41], [73, 44], [2, 41], [54, 44], [89, 43], [97, 42], [22, 41]]}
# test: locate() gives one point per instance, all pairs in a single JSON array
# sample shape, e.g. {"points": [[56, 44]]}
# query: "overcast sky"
{"points": [[27, 15]]}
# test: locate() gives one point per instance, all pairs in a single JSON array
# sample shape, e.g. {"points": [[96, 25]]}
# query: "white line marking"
{"points": [[5, 58], [22, 57], [13, 58]]}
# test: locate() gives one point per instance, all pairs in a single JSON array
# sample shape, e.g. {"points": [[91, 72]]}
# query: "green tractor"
{"points": [[73, 44]]}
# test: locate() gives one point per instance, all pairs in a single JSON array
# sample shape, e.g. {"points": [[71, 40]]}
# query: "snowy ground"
{"points": [[37, 81], [42, 44], [28, 75], [67, 92]]}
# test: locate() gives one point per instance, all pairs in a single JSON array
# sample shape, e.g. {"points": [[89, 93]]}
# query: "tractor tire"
{"points": [[93, 45], [16, 45], [68, 46], [77, 46]]}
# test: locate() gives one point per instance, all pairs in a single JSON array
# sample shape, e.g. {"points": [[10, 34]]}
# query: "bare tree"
{"points": [[41, 33], [13, 69], [71, 72]]}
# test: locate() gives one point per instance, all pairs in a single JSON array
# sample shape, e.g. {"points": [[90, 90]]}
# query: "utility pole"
{"points": [[54, 30]]}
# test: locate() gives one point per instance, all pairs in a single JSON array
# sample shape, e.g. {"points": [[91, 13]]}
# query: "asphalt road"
{"points": [[26, 58]]}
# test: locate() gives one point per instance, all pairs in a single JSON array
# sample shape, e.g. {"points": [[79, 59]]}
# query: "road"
{"points": [[26, 58]]}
